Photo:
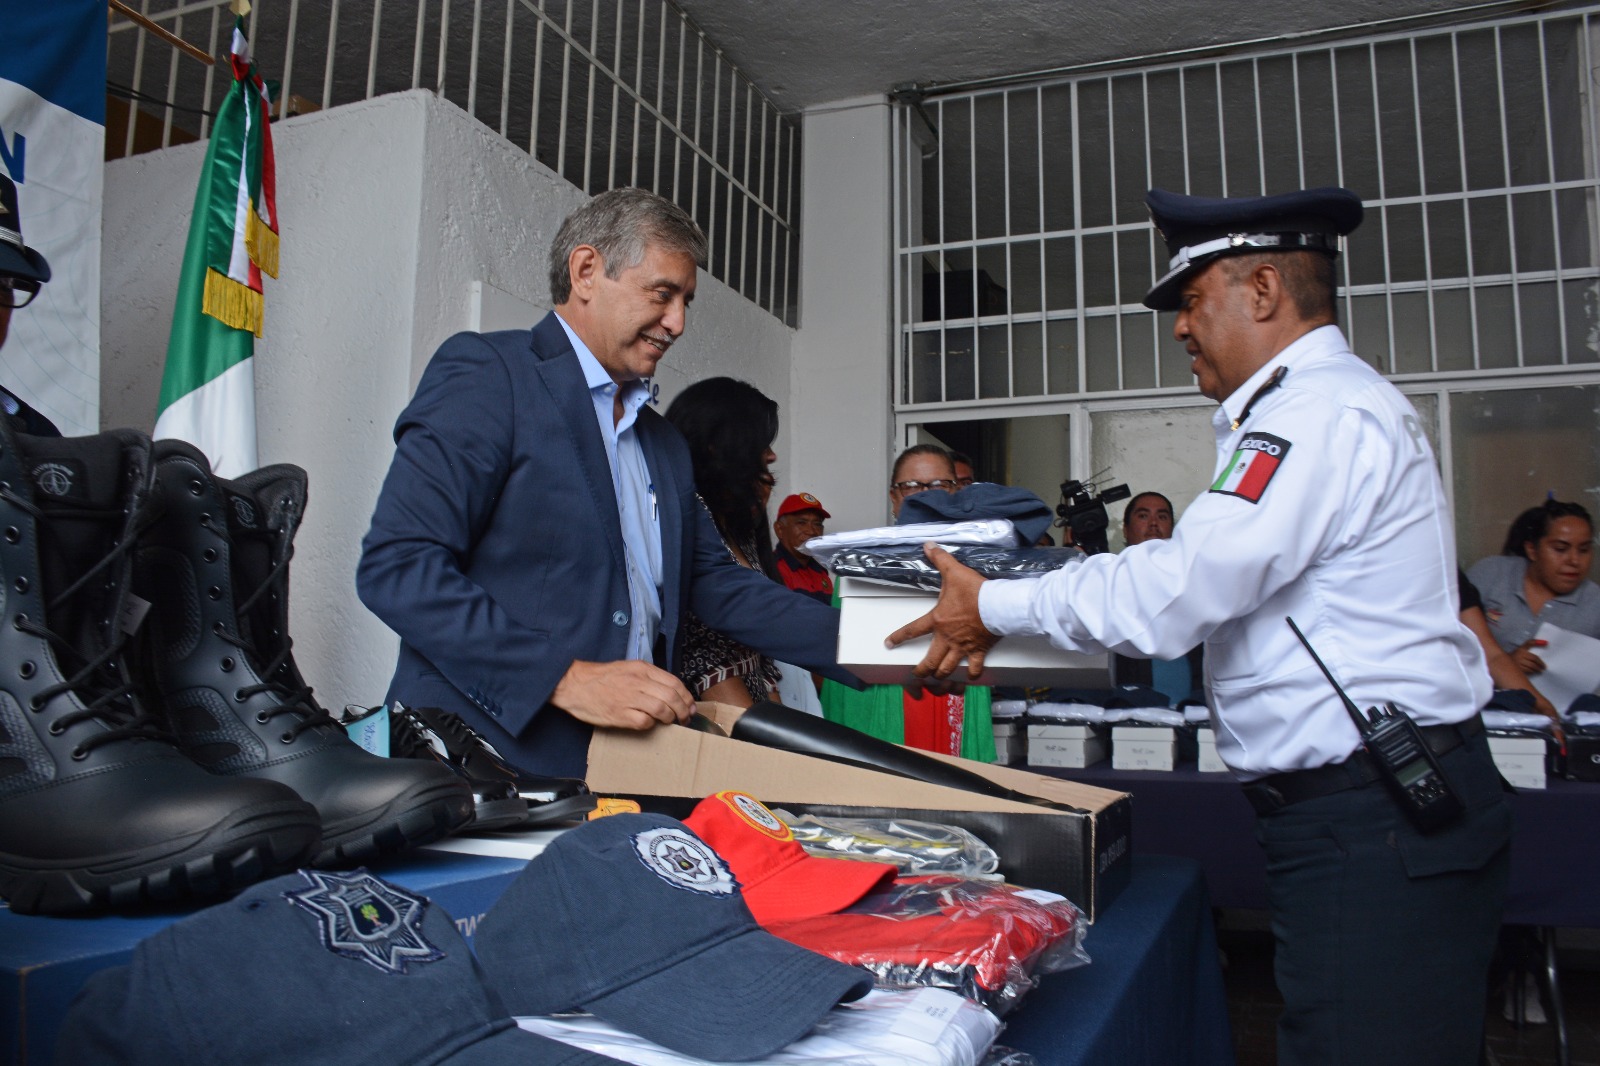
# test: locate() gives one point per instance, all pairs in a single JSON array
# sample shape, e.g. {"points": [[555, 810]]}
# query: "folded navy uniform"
{"points": [[636, 920], [311, 967], [984, 499]]}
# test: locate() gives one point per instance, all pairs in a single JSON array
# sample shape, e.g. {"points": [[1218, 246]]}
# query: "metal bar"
{"points": [[172, 89], [1343, 263], [1555, 207], [566, 79], [1299, 124], [972, 236], [761, 230], [416, 45], [943, 265], [505, 67], [677, 124], [1261, 140], [1383, 189], [1077, 245], [372, 48], [1150, 231], [1511, 215], [538, 79], [1422, 186], [138, 76], [744, 201], [638, 81], [1466, 215], [1005, 184], [899, 179], [588, 110], [694, 145], [211, 74], [288, 56], [472, 59], [1222, 126], [1183, 122], [444, 43], [1044, 290], [777, 192], [661, 84], [1116, 250], [327, 66], [716, 147], [616, 63]]}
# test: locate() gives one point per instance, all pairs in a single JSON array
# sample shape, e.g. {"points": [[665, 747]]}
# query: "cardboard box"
{"points": [[871, 610], [1139, 747], [1050, 731], [1206, 758], [1082, 852], [44, 961], [1521, 760], [1067, 754]]}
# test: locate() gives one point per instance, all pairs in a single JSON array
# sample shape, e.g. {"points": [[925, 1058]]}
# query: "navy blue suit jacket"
{"points": [[496, 548]]}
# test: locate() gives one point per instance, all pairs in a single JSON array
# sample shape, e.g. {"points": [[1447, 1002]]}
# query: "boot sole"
{"points": [[419, 815], [497, 814], [249, 846]]}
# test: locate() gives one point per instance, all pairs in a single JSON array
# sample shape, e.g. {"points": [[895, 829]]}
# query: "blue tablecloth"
{"points": [[1153, 992], [1205, 817]]}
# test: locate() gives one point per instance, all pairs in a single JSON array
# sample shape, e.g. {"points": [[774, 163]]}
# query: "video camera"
{"points": [[1083, 510]]}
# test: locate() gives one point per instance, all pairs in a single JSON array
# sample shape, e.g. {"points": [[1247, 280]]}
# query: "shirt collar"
{"points": [[595, 376], [1320, 341]]}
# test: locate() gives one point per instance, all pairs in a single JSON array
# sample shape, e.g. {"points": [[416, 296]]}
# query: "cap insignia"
{"points": [[684, 862], [361, 917]]}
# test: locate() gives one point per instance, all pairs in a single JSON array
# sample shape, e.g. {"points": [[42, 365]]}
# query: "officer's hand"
{"points": [[957, 628], [630, 694], [1526, 660]]}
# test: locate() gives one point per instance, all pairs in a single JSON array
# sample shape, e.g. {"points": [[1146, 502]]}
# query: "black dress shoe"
{"points": [[550, 799], [495, 803]]}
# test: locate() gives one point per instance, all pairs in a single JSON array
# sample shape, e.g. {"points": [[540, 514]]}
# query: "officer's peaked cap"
{"points": [[1199, 229]]}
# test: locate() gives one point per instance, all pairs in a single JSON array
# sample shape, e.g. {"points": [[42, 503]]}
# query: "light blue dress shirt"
{"points": [[636, 497]]}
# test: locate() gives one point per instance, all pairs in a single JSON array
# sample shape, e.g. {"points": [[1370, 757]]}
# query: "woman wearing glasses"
{"points": [[954, 724]]}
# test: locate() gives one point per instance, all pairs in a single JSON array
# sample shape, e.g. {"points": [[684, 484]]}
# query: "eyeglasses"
{"points": [[942, 484], [963, 482], [17, 292]]}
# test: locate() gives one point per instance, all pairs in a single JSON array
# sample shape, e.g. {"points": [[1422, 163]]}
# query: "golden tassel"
{"points": [[232, 303], [261, 241]]}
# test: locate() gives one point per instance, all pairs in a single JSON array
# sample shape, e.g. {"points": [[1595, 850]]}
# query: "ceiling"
{"points": [[807, 53]]}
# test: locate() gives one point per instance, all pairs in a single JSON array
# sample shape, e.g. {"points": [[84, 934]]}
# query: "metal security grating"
{"points": [[1024, 247], [606, 93]]}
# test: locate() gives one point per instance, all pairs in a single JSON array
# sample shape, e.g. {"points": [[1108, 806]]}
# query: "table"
{"points": [[1153, 992], [1554, 866]]}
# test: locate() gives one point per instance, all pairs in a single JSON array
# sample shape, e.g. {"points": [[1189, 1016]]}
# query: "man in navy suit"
{"points": [[538, 542]]}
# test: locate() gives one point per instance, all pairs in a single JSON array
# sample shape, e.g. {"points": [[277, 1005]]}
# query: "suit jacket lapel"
{"points": [[557, 366]]}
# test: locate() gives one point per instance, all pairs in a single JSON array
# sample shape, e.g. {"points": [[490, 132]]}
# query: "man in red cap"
{"points": [[799, 519]]}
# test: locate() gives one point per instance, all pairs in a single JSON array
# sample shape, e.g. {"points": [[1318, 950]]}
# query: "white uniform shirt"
{"points": [[1327, 508]]}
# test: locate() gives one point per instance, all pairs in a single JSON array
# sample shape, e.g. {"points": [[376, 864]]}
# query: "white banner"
{"points": [[52, 144]]}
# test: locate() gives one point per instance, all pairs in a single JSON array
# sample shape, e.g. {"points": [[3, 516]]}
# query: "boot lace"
{"points": [[293, 700], [102, 681]]}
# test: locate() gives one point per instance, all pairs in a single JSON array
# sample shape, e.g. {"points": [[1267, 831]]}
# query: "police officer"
{"points": [[22, 271], [1326, 508]]}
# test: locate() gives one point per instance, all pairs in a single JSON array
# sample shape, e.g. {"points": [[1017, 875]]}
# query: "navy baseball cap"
{"points": [[636, 920], [16, 258], [1200, 229], [311, 967]]}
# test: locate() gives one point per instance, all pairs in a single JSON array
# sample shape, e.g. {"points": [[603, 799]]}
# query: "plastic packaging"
{"points": [[994, 531], [908, 565], [985, 941], [915, 847]]}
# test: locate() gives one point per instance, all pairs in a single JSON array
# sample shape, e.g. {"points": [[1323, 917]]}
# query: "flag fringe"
{"points": [[232, 303], [261, 242]]}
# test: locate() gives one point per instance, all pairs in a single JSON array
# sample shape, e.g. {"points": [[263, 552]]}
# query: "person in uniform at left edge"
{"points": [[22, 271], [1327, 508]]}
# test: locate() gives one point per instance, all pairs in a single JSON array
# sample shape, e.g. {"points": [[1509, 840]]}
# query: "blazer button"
{"points": [[619, 618]]}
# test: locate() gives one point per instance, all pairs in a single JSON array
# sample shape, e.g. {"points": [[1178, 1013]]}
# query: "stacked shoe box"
{"points": [[1520, 760], [1144, 747], [1207, 760], [1010, 742], [1068, 746]]}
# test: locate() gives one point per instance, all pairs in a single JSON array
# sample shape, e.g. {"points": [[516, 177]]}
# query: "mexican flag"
{"points": [[208, 388]]}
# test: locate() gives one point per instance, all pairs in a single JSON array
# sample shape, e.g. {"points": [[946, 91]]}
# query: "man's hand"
{"points": [[629, 694], [958, 630], [1526, 660]]}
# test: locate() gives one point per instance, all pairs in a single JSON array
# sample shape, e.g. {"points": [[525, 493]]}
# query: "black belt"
{"points": [[1277, 791]]}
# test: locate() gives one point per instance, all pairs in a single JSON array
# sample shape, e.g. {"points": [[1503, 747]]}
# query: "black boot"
{"points": [[97, 807], [216, 569], [549, 799], [495, 803]]}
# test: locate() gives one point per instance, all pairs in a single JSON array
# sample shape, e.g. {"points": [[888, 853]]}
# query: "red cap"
{"points": [[780, 881], [801, 501]]}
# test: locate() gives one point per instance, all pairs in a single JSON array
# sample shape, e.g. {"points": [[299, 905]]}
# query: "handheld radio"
{"points": [[1401, 754]]}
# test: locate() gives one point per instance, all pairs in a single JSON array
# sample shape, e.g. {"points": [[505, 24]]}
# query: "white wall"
{"points": [[840, 418], [390, 210]]}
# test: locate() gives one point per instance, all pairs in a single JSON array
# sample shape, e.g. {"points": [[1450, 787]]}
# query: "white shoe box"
{"points": [[1520, 760], [1143, 747], [1071, 747], [1207, 759], [1007, 729], [1008, 751]]}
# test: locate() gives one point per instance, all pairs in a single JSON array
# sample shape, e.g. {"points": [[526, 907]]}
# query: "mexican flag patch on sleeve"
{"points": [[1250, 470]]}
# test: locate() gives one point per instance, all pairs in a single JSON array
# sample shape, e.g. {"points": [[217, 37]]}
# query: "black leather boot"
{"points": [[549, 799], [495, 803], [97, 807], [216, 570]]}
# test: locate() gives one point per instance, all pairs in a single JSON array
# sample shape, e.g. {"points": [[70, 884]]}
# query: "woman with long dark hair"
{"points": [[1542, 575], [730, 427]]}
